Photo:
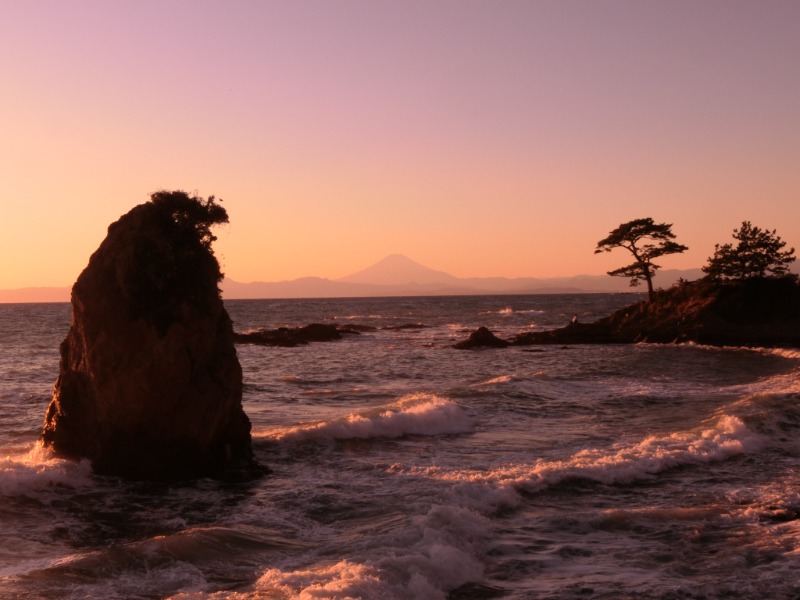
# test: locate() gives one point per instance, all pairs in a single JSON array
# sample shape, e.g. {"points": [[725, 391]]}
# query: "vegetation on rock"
{"points": [[757, 255], [646, 241], [172, 262], [748, 298]]}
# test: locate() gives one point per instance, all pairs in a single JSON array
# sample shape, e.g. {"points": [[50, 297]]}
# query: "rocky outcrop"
{"points": [[481, 338], [295, 336], [149, 384], [315, 332], [757, 312]]}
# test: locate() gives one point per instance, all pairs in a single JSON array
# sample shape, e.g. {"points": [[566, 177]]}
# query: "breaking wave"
{"points": [[418, 414], [38, 468], [620, 464]]}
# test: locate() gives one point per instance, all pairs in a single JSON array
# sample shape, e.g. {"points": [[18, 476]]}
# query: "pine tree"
{"points": [[646, 240], [758, 254]]}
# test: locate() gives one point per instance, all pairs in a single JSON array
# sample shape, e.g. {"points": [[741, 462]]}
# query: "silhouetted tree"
{"points": [[646, 240], [758, 254], [192, 213], [173, 261]]}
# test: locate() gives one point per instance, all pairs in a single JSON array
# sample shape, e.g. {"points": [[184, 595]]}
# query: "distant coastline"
{"points": [[395, 275]]}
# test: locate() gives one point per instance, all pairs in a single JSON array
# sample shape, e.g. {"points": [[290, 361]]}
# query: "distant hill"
{"points": [[397, 275]]}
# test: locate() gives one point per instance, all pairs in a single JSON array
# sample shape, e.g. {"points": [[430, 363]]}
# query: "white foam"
{"points": [[620, 464], [38, 468], [441, 551], [507, 311], [437, 552], [792, 353], [780, 384], [351, 317], [496, 380], [419, 414], [342, 580]]}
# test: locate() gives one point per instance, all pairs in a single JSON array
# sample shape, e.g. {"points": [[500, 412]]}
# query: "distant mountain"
{"points": [[397, 269], [397, 275]]}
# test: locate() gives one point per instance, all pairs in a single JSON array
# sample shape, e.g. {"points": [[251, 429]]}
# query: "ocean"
{"points": [[402, 468]]}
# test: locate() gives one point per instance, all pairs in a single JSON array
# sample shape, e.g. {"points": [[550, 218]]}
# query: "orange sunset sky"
{"points": [[488, 138]]}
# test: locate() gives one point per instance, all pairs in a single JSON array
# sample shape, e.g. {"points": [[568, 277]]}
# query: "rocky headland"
{"points": [[754, 312], [149, 383]]}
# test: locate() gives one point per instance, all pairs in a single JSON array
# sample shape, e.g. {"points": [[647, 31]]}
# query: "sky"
{"points": [[480, 138]]}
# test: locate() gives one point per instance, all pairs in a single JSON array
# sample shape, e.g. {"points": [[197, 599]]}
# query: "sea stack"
{"points": [[149, 384]]}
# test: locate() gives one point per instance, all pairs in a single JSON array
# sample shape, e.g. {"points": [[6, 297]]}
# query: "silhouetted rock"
{"points": [[756, 312], [294, 336], [149, 384], [405, 326], [481, 338]]}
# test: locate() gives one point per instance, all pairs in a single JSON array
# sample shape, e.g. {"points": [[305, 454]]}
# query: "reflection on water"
{"points": [[402, 468]]}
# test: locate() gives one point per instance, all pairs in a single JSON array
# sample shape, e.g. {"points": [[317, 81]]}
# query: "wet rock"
{"points": [[481, 338], [149, 384]]}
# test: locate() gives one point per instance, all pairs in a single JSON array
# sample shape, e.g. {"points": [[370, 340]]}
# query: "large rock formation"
{"points": [[149, 384]]}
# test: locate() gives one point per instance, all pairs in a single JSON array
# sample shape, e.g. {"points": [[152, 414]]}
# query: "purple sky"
{"points": [[479, 138]]}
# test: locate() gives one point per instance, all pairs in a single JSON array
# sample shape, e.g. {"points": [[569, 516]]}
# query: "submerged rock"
{"points": [[482, 338], [149, 384]]}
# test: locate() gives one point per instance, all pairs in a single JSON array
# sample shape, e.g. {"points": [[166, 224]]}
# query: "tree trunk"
{"points": [[649, 278]]}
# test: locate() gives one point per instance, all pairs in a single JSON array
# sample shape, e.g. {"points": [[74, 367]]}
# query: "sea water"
{"points": [[402, 468]]}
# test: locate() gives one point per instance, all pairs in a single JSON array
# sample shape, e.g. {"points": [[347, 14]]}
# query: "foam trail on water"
{"points": [[792, 353], [496, 380], [620, 464], [418, 414]]}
